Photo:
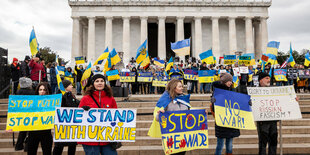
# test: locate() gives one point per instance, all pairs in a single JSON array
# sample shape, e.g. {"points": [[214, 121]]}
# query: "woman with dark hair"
{"points": [[42, 136], [98, 95]]}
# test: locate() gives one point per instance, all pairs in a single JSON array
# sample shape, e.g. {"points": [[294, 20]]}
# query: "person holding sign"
{"points": [[42, 136], [68, 100], [98, 95], [223, 133]]}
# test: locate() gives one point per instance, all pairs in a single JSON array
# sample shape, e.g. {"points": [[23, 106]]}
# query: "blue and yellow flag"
{"points": [[307, 59], [207, 57], [141, 53], [232, 110], [146, 61], [169, 64], [272, 52], [235, 81], [33, 43], [59, 82], [61, 70], [86, 75], [103, 56], [160, 63], [114, 57], [113, 75], [291, 58], [181, 48], [79, 60]]}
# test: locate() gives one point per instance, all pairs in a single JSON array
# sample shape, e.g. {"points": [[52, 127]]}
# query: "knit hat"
{"points": [[262, 75], [66, 83], [225, 77], [95, 77], [15, 59], [25, 82], [27, 58]]}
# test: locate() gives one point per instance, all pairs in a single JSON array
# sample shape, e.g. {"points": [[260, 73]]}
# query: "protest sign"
{"points": [[244, 70], [307, 73], [229, 59], [32, 112], [145, 77], [274, 103], [236, 71], [95, 125], [232, 110], [183, 130], [176, 76], [223, 71], [79, 60], [292, 73], [127, 77], [159, 81], [190, 74], [246, 60], [255, 81], [206, 76], [280, 74]]}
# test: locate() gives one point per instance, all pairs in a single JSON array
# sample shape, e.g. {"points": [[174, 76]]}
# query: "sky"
{"points": [[288, 22]]}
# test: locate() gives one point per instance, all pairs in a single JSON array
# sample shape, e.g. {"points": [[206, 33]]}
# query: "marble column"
{"points": [[108, 32], [249, 35], [215, 37], [180, 32], [258, 40], [85, 40], [126, 39], [76, 35], [143, 34], [232, 35], [198, 36], [91, 39], [161, 37], [264, 32]]}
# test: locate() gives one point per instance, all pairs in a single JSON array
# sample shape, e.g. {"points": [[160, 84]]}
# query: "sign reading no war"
{"points": [[95, 125], [32, 112]]}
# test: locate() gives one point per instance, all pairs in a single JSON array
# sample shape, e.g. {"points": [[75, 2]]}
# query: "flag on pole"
{"points": [[181, 48], [272, 52], [86, 75], [307, 59], [103, 56], [59, 82], [33, 43], [160, 63], [169, 64], [291, 58], [207, 57], [141, 53], [285, 63]]}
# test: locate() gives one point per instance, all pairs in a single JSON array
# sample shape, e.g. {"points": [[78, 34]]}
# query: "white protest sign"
{"points": [[236, 71], [95, 125], [255, 81], [244, 70], [274, 103], [223, 71]]}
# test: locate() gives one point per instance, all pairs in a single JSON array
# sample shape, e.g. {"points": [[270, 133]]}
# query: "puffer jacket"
{"points": [[104, 101]]}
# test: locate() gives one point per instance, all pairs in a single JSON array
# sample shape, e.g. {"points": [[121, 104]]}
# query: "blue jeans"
{"points": [[220, 145], [290, 82], [54, 88], [78, 88], [209, 85], [203, 87], [96, 150]]}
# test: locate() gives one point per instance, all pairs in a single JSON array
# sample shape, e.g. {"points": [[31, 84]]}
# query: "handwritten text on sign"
{"points": [[95, 125], [232, 110], [274, 103], [32, 112], [183, 130]]}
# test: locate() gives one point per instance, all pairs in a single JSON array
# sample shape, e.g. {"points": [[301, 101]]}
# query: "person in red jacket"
{"points": [[98, 95], [36, 66]]}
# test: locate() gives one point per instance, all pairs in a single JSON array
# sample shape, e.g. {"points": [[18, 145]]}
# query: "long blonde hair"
{"points": [[171, 87]]}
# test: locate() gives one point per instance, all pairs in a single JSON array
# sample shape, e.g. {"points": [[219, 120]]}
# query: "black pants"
{"points": [[58, 148], [267, 134], [179, 153], [44, 137], [20, 140], [15, 86]]}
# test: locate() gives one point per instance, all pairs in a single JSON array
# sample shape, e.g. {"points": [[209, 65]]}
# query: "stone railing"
{"points": [[265, 3]]}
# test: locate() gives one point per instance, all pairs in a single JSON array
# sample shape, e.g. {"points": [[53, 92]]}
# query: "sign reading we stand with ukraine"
{"points": [[32, 112], [184, 130], [232, 110]]}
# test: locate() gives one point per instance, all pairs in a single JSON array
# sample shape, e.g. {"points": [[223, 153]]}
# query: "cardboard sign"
{"points": [[95, 125], [232, 110], [127, 77], [244, 70], [206, 76], [274, 103], [265, 58], [145, 77], [32, 112], [236, 71], [183, 130], [229, 59]]}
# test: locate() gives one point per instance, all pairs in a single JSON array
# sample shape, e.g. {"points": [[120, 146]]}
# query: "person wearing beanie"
{"points": [[15, 74], [98, 95], [223, 133], [24, 68], [25, 89], [68, 100]]}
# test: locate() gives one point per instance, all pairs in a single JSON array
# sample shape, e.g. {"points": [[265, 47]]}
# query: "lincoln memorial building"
{"points": [[226, 26]]}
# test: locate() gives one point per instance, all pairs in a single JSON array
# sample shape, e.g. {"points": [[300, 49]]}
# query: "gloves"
{"points": [[250, 103], [86, 108], [213, 100]]}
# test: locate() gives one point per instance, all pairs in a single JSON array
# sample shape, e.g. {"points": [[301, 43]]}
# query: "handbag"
{"points": [[114, 145]]}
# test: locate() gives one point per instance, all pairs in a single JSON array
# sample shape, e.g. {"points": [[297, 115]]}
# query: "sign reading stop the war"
{"points": [[274, 103]]}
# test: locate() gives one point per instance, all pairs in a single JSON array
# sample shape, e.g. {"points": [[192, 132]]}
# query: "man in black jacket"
{"points": [[24, 68], [79, 75], [15, 68]]}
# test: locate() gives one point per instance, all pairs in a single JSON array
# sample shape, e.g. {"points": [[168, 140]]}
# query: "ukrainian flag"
{"points": [[61, 70], [33, 43], [307, 59], [86, 75], [114, 57], [235, 81], [160, 63], [146, 61], [181, 48], [103, 56], [252, 58], [170, 64], [113, 75], [272, 52], [59, 82], [79, 60], [207, 57], [291, 58], [141, 53]]}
